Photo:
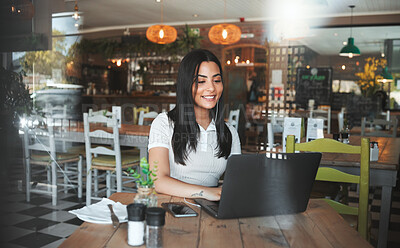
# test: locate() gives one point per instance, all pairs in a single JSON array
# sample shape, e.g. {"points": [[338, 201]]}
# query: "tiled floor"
{"points": [[39, 224]]}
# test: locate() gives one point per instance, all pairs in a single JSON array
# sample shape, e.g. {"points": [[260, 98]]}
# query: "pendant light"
{"points": [[350, 50], [224, 34], [161, 34], [386, 76], [76, 12]]}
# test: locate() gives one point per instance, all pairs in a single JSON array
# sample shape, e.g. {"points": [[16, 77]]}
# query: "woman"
{"points": [[191, 143]]}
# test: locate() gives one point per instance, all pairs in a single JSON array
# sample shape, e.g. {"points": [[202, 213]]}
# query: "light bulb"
{"points": [[224, 34], [350, 55], [247, 61], [76, 16], [343, 67], [228, 62], [119, 62], [161, 34]]}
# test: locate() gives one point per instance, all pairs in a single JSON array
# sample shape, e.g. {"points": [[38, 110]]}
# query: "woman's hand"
{"points": [[209, 193], [213, 194]]}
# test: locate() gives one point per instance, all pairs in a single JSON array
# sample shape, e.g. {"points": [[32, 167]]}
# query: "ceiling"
{"points": [[106, 15]]}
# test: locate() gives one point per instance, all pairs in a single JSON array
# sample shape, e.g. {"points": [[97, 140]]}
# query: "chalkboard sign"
{"points": [[314, 83]]}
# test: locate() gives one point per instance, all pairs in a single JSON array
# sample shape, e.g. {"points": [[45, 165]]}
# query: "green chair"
{"points": [[333, 175]]}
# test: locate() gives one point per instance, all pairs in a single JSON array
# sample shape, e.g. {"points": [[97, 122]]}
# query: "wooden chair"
{"points": [[40, 150], [333, 175], [136, 112], [233, 118], [379, 127], [146, 118], [108, 159]]}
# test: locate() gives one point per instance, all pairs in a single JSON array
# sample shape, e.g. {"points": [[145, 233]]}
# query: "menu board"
{"points": [[314, 83]]}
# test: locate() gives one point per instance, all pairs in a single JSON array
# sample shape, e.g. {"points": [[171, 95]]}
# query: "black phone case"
{"points": [[165, 206]]}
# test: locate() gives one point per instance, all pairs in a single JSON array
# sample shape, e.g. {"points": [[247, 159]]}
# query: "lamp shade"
{"points": [[386, 75], [224, 34], [350, 50], [161, 34]]}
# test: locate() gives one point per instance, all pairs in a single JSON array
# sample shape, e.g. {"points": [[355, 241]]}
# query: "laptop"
{"points": [[265, 184]]}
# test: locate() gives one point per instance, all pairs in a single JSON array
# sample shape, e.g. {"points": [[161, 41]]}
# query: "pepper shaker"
{"points": [[155, 219], [136, 217]]}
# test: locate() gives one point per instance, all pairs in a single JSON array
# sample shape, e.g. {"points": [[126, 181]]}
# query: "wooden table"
{"points": [[319, 226], [129, 135], [383, 173]]}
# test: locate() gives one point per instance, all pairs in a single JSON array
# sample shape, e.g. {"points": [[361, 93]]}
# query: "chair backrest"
{"points": [[98, 127], [146, 117], [379, 127], [101, 130], [330, 174], [233, 118], [39, 135], [103, 112], [136, 112], [323, 112], [277, 116]]}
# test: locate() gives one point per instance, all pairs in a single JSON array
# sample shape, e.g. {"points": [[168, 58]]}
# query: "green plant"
{"points": [[14, 96], [369, 79], [149, 175]]}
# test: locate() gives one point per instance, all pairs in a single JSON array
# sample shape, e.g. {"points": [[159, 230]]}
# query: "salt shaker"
{"points": [[136, 217], [374, 151], [155, 219]]}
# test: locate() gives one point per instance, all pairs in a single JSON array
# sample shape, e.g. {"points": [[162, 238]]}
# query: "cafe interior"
{"points": [[323, 71]]}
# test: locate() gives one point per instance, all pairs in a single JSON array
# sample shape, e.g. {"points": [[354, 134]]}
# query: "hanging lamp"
{"points": [[76, 12], [224, 34], [161, 34], [350, 50], [386, 76]]}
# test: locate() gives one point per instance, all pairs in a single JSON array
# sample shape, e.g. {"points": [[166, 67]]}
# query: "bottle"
{"points": [[155, 219], [347, 130], [136, 226], [345, 138]]}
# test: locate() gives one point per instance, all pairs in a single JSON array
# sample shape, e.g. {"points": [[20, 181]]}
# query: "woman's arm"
{"points": [[171, 186]]}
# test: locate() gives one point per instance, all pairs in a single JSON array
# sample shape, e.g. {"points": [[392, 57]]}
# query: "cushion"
{"points": [[105, 160], [45, 157]]}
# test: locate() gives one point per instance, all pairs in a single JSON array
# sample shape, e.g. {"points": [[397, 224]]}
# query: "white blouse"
{"points": [[202, 167]]}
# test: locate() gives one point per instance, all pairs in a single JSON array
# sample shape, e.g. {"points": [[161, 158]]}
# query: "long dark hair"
{"points": [[186, 129]]}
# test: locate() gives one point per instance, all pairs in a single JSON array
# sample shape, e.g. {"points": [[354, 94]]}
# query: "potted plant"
{"points": [[145, 183]]}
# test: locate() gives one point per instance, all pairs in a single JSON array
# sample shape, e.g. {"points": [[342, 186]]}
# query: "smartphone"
{"points": [[179, 209]]}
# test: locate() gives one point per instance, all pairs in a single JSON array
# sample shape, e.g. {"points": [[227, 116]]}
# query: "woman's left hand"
{"points": [[212, 194]]}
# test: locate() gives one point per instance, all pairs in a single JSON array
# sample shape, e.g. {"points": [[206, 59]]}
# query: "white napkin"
{"points": [[99, 213]]}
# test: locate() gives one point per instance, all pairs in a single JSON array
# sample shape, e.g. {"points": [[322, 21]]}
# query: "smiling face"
{"points": [[209, 87]]}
